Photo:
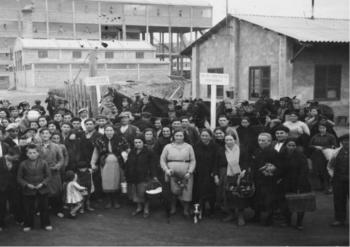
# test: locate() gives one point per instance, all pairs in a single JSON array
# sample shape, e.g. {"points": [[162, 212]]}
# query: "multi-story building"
{"points": [[163, 23]]}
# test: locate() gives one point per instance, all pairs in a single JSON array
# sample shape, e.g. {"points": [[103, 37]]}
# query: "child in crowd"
{"points": [[74, 194], [33, 175]]}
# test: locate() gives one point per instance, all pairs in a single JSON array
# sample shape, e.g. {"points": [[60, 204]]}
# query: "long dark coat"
{"points": [[140, 167], [266, 186], [294, 172], [248, 138], [203, 185]]}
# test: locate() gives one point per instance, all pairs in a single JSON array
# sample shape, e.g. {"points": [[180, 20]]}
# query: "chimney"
{"points": [[312, 9], [27, 21]]}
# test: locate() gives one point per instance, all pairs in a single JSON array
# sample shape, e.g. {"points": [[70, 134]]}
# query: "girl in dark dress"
{"points": [[204, 187], [294, 176]]}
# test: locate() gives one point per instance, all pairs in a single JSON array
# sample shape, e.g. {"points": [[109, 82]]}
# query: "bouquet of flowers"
{"points": [[268, 169]]}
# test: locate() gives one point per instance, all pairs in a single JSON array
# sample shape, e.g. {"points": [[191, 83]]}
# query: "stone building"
{"points": [[276, 57], [48, 63]]}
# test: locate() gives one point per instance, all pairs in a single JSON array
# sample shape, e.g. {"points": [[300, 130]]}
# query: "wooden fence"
{"points": [[80, 96]]}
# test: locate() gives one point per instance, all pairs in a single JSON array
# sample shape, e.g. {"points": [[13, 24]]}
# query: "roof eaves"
{"points": [[187, 51]]}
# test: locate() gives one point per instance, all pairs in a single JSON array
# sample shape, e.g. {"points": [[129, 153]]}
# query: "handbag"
{"points": [[301, 202]]}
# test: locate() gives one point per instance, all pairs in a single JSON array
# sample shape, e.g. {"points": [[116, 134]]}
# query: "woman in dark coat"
{"points": [[79, 165], [294, 176], [204, 187], [219, 137], [232, 162], [72, 144], [161, 142], [265, 173], [247, 135], [139, 170]]}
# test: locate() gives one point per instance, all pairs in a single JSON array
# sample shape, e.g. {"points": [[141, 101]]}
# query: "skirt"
{"points": [[183, 193], [84, 179], [55, 184], [110, 173], [138, 192]]}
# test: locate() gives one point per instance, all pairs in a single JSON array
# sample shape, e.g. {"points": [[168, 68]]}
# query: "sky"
{"points": [[302, 8]]}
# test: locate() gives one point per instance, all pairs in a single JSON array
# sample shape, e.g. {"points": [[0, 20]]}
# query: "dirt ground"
{"points": [[118, 227]]}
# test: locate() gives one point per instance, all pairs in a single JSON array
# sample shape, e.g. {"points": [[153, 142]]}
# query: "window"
{"points": [[327, 82], [259, 82], [76, 54], [219, 88], [206, 13], [140, 54], [43, 54], [109, 55]]}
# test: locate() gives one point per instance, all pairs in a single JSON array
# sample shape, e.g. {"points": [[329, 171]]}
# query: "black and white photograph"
{"points": [[174, 122]]}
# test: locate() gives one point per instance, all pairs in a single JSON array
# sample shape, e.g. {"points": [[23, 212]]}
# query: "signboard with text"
{"points": [[96, 81], [214, 79]]}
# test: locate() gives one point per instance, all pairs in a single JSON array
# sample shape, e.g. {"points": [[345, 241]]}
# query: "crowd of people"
{"points": [[57, 163]]}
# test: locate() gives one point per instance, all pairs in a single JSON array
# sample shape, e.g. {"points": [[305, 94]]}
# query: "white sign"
{"points": [[96, 81], [214, 79]]}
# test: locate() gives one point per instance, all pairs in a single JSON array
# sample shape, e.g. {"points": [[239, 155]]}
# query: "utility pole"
{"points": [[312, 9], [95, 90]]}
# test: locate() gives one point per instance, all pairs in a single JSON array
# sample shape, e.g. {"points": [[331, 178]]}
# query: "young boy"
{"points": [[33, 175]]}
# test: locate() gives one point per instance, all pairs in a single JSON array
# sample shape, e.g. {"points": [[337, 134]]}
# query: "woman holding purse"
{"points": [[294, 177]]}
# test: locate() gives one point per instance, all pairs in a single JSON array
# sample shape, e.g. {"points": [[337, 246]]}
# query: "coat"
{"points": [[129, 134], [7, 176], [87, 146], [267, 191], [53, 155], [294, 172], [140, 167], [29, 173], [74, 154], [204, 185], [221, 161], [248, 138]]}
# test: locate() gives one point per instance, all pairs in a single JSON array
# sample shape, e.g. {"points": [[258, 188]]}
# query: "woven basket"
{"points": [[302, 202]]}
